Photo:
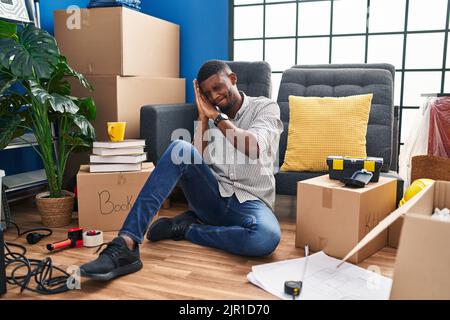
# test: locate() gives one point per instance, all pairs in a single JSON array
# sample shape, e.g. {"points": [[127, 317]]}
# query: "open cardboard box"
{"points": [[425, 166], [423, 257]]}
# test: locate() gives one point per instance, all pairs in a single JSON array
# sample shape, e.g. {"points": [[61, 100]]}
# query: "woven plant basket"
{"points": [[55, 212]]}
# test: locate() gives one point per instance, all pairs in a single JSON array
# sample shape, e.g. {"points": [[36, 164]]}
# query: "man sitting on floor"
{"points": [[226, 176]]}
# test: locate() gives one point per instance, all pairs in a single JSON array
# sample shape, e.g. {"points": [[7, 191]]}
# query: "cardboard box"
{"points": [[421, 268], [118, 41], [423, 256], [394, 232], [429, 167], [121, 98], [334, 219], [105, 199]]}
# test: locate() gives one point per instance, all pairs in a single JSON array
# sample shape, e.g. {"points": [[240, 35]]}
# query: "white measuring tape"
{"points": [[92, 238]]}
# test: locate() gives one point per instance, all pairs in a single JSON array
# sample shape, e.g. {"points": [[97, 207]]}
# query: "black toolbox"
{"points": [[343, 167]]}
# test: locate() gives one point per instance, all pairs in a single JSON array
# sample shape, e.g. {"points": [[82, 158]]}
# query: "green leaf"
{"points": [[70, 72], [64, 104], [6, 81], [81, 134], [11, 103], [8, 128], [40, 94], [60, 86], [58, 102], [6, 54], [58, 82], [7, 29], [84, 127], [87, 108], [33, 55]]}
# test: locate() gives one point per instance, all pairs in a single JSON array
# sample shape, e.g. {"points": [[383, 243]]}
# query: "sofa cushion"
{"points": [[286, 182], [324, 126], [345, 82], [383, 66], [254, 78]]}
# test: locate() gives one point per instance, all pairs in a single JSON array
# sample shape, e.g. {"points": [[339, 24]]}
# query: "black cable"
{"points": [[41, 271], [19, 234]]}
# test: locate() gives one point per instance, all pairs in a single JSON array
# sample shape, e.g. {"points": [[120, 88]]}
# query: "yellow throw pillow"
{"points": [[321, 127]]}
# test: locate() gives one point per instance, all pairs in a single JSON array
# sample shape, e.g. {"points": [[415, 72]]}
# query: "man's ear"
{"points": [[200, 89], [233, 77]]}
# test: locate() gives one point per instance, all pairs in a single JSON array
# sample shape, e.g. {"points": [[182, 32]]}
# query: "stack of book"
{"points": [[126, 155]]}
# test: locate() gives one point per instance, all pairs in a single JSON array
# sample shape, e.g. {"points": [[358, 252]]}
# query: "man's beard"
{"points": [[226, 108], [229, 106]]}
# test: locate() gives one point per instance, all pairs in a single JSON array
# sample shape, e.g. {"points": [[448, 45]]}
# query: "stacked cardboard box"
{"points": [[131, 59]]}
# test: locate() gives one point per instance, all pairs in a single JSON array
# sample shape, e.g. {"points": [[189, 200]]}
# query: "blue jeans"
{"points": [[249, 228]]}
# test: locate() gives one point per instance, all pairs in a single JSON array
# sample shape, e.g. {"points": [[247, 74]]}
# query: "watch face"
{"points": [[220, 117]]}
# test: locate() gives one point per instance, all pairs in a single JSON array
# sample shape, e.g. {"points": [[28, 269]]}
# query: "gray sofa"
{"points": [[158, 122]]}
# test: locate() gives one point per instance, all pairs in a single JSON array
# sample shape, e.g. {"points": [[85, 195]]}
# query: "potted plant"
{"points": [[35, 96]]}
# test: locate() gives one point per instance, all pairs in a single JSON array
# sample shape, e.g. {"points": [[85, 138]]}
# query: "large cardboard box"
{"points": [[429, 167], [118, 41], [334, 219], [394, 232], [121, 98], [105, 199], [423, 257]]}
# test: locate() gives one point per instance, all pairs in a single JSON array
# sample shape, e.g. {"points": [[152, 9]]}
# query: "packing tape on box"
{"points": [[92, 238]]}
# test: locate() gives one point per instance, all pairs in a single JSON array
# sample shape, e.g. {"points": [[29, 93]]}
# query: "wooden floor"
{"points": [[172, 270]]}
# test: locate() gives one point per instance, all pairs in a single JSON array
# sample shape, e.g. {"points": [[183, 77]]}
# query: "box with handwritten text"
{"points": [[105, 199], [333, 218]]}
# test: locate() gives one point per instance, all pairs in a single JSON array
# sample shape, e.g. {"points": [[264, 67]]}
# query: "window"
{"points": [[412, 35]]}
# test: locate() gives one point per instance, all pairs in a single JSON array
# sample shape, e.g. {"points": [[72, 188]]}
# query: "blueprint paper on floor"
{"points": [[322, 280]]}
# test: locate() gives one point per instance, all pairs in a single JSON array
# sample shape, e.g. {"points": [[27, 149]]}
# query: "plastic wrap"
{"points": [[439, 133], [430, 137], [416, 144]]}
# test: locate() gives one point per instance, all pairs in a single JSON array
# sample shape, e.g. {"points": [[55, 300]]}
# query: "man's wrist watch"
{"points": [[220, 117]]}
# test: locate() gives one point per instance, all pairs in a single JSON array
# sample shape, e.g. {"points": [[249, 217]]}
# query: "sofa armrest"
{"points": [[400, 183], [395, 137], [158, 123]]}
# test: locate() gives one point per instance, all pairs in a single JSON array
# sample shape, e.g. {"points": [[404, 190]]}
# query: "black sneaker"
{"points": [[115, 260], [171, 228]]}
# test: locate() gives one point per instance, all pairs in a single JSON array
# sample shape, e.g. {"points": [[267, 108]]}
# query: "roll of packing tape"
{"points": [[92, 238]]}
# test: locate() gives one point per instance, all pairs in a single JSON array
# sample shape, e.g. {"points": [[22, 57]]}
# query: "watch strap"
{"points": [[218, 119]]}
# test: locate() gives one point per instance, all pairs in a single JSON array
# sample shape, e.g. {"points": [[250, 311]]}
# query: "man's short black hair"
{"points": [[211, 68]]}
